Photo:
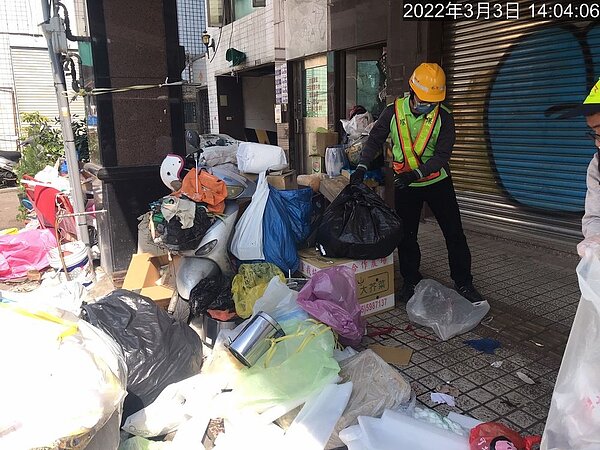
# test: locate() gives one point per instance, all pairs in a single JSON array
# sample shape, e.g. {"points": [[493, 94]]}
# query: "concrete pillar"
{"points": [[409, 44], [134, 42]]}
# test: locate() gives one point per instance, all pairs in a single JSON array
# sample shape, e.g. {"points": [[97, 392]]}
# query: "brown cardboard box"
{"points": [[152, 276], [374, 278], [318, 142], [283, 180], [317, 164]]}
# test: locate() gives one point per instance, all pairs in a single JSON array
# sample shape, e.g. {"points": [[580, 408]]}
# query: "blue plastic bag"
{"points": [[279, 244], [298, 203]]}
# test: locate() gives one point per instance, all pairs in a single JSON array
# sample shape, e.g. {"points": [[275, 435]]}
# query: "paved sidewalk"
{"points": [[533, 293]]}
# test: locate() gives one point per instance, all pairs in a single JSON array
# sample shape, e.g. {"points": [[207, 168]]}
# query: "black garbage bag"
{"points": [[211, 293], [318, 206], [359, 225], [158, 349], [176, 238]]}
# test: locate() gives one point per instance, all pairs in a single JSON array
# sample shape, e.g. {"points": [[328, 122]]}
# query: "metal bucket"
{"points": [[255, 339], [209, 328]]}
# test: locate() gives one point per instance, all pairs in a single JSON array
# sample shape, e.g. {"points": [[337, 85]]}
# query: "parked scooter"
{"points": [[8, 163], [211, 257]]}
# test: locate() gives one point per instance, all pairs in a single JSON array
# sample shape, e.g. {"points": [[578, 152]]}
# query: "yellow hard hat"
{"points": [[590, 106], [429, 82], [593, 97]]}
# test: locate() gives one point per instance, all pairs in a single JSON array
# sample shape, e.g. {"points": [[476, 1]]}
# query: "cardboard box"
{"points": [[283, 180], [318, 142], [152, 276], [374, 278], [317, 164]]}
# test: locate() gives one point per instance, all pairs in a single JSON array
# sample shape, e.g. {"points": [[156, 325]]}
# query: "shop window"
{"points": [[242, 8], [365, 80], [368, 79], [223, 12], [214, 10], [315, 92]]}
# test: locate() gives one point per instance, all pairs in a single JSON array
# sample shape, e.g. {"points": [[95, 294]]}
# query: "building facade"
{"points": [[191, 22], [241, 90], [26, 83], [517, 167]]}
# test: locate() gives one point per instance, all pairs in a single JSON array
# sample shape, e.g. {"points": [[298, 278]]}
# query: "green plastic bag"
{"points": [[140, 443], [297, 365], [249, 285]]}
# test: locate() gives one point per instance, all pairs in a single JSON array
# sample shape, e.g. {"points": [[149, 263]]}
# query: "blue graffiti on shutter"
{"points": [[541, 161]]}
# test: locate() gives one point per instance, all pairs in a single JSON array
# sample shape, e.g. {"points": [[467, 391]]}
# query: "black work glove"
{"points": [[402, 180], [358, 175]]}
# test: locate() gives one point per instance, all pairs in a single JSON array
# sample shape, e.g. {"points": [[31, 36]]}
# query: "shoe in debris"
{"points": [[469, 292]]}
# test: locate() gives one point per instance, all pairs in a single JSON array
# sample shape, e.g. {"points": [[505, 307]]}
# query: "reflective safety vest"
{"points": [[409, 154]]}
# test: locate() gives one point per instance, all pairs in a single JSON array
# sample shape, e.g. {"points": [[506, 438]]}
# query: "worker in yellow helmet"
{"points": [[422, 132], [590, 224]]}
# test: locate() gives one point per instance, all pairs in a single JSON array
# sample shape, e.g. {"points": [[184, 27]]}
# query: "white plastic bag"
{"points": [[279, 302], [258, 158], [66, 296], [191, 433], [377, 387], [247, 242], [313, 426], [176, 404], [334, 160], [357, 125], [397, 431], [443, 309], [574, 417], [62, 380]]}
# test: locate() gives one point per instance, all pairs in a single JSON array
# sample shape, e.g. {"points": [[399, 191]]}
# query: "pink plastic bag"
{"points": [[24, 251], [330, 296]]}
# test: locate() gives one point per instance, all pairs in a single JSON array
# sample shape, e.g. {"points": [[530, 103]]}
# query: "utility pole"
{"points": [[54, 32]]}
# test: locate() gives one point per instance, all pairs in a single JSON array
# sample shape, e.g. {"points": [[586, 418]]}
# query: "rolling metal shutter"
{"points": [[34, 84], [516, 166]]}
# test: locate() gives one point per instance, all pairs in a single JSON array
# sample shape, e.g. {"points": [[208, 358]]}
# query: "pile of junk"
{"points": [[240, 325], [47, 249]]}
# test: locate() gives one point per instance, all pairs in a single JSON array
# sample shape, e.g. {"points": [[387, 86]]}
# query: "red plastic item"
{"points": [[45, 201], [496, 436]]}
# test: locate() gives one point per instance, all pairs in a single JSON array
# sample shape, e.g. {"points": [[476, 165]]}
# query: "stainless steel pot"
{"points": [[255, 339]]}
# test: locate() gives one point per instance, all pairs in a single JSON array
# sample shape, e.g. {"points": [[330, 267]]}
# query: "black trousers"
{"points": [[441, 198]]}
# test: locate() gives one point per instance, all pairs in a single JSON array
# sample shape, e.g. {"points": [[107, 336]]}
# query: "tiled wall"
{"points": [[253, 35]]}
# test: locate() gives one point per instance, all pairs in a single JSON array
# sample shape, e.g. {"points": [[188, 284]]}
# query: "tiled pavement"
{"points": [[533, 294]]}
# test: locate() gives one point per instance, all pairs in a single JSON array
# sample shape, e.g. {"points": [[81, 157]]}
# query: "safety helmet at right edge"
{"points": [[428, 81]]}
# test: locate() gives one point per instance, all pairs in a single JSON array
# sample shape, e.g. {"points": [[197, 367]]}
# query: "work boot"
{"points": [[469, 292], [407, 291]]}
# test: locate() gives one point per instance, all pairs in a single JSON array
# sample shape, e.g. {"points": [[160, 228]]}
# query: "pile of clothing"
{"points": [[180, 220]]}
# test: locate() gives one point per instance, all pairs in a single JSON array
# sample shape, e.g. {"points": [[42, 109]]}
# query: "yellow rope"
{"points": [[100, 91], [70, 327], [308, 333]]}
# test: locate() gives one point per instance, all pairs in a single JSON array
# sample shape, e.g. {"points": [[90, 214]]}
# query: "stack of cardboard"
{"points": [[153, 277], [317, 144], [374, 278]]}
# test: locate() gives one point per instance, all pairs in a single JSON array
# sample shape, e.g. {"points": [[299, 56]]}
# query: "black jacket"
{"points": [[443, 148]]}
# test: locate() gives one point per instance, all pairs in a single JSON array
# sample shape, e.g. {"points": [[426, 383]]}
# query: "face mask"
{"points": [[421, 107], [424, 108]]}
